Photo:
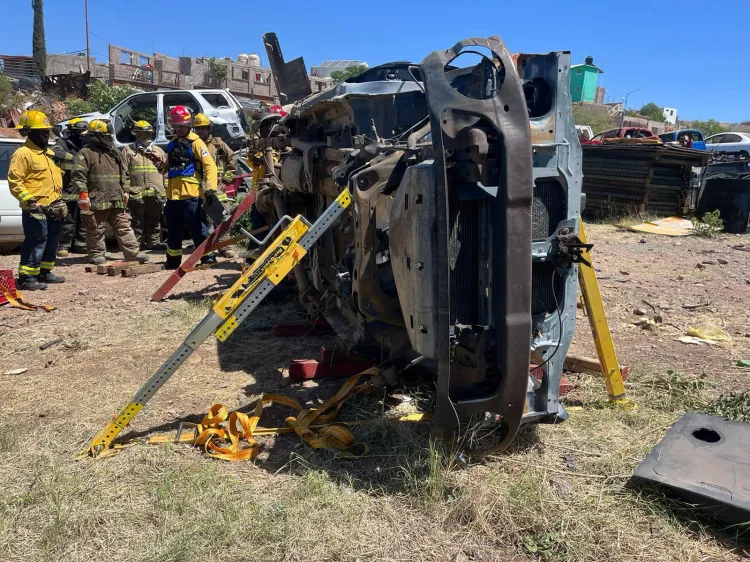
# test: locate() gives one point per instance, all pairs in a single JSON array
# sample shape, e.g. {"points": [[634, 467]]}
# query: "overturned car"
{"points": [[457, 257]]}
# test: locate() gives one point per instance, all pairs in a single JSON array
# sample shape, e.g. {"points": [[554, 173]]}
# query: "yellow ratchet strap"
{"points": [[325, 435], [19, 302]]}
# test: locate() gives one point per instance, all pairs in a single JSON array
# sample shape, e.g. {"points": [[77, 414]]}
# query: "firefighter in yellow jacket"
{"points": [[226, 163], [36, 182], [102, 180], [190, 167], [147, 193]]}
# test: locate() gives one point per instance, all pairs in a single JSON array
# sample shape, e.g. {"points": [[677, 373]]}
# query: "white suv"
{"points": [[230, 122], [11, 230]]}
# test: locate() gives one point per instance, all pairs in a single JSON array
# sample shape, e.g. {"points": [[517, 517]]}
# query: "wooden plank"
{"points": [[103, 269], [136, 270], [581, 364]]}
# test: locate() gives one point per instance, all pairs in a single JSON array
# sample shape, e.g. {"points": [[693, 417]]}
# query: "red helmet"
{"points": [[180, 116], [278, 109]]}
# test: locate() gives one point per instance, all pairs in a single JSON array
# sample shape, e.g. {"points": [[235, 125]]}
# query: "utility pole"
{"points": [[88, 50], [625, 106]]}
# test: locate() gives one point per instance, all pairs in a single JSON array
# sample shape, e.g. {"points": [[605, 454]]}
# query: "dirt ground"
{"points": [[560, 493]]}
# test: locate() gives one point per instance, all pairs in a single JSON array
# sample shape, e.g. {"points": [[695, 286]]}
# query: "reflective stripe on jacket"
{"points": [[226, 164], [145, 178], [186, 177], [101, 171], [33, 175], [65, 150]]}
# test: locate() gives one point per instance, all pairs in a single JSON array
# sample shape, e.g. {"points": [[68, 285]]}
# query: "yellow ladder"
{"points": [[605, 347]]}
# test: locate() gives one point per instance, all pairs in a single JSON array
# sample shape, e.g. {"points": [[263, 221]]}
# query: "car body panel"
{"points": [[621, 133], [11, 230], [698, 142], [729, 142]]}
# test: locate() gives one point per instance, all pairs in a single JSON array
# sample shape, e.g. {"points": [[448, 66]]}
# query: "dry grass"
{"points": [[411, 499]]}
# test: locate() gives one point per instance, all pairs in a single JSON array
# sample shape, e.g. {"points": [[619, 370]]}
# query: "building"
{"points": [[324, 69], [245, 77], [670, 115], [584, 80]]}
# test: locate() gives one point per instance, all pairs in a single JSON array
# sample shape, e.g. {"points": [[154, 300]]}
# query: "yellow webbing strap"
{"points": [[19, 302], [324, 435]]}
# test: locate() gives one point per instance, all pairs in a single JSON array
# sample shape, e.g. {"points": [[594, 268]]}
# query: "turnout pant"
{"points": [[183, 214], [146, 215], [39, 248], [73, 231], [119, 220]]}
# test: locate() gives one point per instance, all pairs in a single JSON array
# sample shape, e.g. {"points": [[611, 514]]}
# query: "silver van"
{"points": [[230, 122]]}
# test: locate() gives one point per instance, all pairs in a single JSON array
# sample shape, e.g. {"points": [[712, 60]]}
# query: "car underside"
{"points": [[458, 256]]}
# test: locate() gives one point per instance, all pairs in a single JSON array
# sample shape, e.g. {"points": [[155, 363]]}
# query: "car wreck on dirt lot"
{"points": [[455, 257]]}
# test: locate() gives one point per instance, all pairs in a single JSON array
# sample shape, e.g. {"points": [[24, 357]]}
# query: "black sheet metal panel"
{"points": [[454, 116], [706, 459], [414, 258], [292, 82]]}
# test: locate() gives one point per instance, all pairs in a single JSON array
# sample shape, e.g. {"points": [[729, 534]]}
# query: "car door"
{"points": [[140, 107], [730, 142], [712, 142]]}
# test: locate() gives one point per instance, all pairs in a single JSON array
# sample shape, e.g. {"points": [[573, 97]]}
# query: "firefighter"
{"points": [[147, 192], [225, 159], [73, 233], [101, 178], [190, 168], [36, 182]]}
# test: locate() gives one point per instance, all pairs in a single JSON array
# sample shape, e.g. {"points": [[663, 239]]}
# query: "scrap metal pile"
{"points": [[622, 178]]}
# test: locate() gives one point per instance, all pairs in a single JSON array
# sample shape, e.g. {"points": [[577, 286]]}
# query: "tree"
{"points": [[216, 73], [349, 72], [710, 127], [39, 46], [8, 98], [101, 97], [599, 118], [652, 111]]}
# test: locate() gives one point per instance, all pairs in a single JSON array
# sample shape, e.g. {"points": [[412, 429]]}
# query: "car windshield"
{"points": [[6, 151]]}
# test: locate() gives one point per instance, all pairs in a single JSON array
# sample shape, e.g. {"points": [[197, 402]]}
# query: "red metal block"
{"points": [[305, 369]]}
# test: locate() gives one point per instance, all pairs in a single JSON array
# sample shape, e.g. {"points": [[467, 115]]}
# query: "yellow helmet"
{"points": [[77, 124], [99, 127], [201, 120], [33, 119], [142, 127]]}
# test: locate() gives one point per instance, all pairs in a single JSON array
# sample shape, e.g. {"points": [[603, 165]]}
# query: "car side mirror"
{"points": [[119, 125]]}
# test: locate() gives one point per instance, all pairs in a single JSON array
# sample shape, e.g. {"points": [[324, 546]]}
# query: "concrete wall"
{"points": [[65, 64], [243, 79]]}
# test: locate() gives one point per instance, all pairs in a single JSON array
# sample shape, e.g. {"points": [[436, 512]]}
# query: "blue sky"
{"points": [[705, 76]]}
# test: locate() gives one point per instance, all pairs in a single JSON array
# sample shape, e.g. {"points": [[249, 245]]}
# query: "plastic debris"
{"points": [[743, 363], [708, 332], [695, 341]]}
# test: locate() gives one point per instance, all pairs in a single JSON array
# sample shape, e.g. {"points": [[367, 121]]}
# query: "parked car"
{"points": [[11, 231], [696, 138], [227, 114], [730, 142], [585, 133], [623, 133]]}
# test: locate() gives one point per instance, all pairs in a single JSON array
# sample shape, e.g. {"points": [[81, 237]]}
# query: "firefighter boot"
{"points": [[173, 262], [30, 283], [46, 276], [209, 259]]}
